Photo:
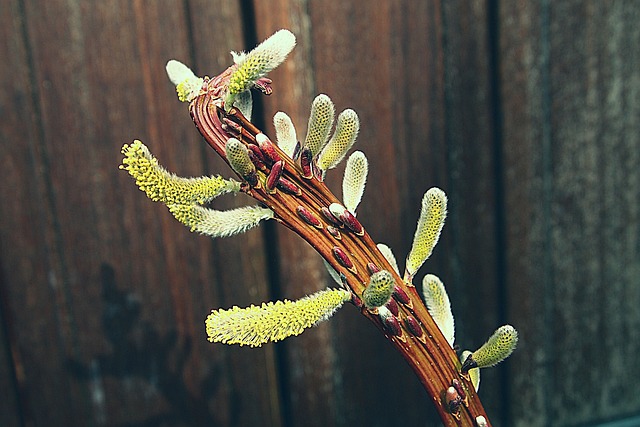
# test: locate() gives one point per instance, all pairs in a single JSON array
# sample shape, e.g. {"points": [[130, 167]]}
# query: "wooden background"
{"points": [[526, 113]]}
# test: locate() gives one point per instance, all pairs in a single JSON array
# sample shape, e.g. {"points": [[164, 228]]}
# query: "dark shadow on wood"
{"points": [[155, 358]]}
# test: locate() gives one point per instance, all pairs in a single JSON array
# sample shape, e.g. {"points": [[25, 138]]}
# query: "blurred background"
{"points": [[525, 113]]}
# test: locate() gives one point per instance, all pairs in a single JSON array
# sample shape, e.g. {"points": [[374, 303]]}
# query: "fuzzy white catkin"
{"points": [[285, 133], [354, 181], [216, 223], [389, 256], [437, 302], [430, 223]]}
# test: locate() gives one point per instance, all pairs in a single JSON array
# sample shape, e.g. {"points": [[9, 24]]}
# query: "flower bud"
{"points": [[267, 148], [379, 290], [308, 217], [342, 258], [306, 163], [238, 157], [352, 223], [390, 321], [288, 187], [453, 399], [474, 373], [335, 233], [274, 175], [413, 326]]}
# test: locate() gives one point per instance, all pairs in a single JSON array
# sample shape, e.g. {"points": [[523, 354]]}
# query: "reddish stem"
{"points": [[428, 353]]}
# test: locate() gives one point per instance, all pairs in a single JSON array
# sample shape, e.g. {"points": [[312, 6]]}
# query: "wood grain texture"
{"points": [[525, 113], [570, 86], [107, 298]]}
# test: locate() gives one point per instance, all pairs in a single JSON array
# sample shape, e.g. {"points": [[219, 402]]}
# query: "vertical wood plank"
{"points": [[594, 87], [526, 143], [27, 269], [16, 185], [106, 292], [473, 257], [243, 277], [570, 88]]}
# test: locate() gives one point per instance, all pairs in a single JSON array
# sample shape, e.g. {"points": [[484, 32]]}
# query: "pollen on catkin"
{"points": [[379, 290], [163, 186], [257, 63], [285, 133], [430, 223], [347, 127], [497, 348], [437, 302], [354, 181], [186, 82], [320, 122], [273, 321], [216, 223], [238, 157]]}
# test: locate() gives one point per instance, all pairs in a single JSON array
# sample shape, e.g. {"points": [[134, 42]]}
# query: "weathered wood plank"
{"points": [[472, 258], [113, 309], [526, 144], [570, 96], [16, 232], [27, 269], [595, 88]]}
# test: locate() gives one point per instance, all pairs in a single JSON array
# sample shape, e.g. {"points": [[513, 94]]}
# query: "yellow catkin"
{"points": [[437, 302], [264, 58], [216, 223], [320, 122], [273, 321], [379, 290], [187, 84], [238, 157], [162, 186], [430, 223], [497, 348], [474, 373], [354, 181], [343, 138]]}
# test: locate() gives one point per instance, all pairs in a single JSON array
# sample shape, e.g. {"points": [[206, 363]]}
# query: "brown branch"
{"points": [[419, 339]]}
